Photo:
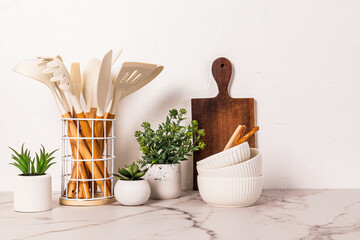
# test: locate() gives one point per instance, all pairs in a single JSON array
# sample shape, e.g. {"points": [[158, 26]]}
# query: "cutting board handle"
{"points": [[222, 70]]}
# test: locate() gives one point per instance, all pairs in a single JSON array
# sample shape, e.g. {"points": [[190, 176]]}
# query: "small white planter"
{"points": [[164, 180], [132, 193], [32, 193]]}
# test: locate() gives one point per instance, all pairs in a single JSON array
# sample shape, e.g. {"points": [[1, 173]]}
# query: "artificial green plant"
{"points": [[36, 166], [130, 173], [171, 142]]}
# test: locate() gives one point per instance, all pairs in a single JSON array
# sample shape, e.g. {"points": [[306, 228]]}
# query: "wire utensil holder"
{"points": [[87, 161]]}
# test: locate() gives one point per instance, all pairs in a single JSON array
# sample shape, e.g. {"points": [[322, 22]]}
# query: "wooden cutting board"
{"points": [[221, 115]]}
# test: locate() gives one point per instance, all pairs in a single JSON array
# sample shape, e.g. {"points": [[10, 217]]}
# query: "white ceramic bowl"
{"points": [[226, 158], [230, 192], [246, 169]]}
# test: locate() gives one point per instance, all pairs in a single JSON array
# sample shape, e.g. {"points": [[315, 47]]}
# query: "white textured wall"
{"points": [[299, 59]]}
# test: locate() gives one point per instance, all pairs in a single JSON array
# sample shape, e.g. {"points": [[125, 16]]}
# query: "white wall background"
{"points": [[299, 59]]}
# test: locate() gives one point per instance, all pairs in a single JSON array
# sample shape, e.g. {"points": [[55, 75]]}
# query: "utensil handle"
{"points": [[99, 132], [233, 137], [92, 114], [222, 71], [94, 147], [108, 124], [84, 191], [86, 154]]}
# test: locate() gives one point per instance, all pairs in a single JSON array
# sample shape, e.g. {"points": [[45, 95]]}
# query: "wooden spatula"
{"points": [[219, 116], [132, 77]]}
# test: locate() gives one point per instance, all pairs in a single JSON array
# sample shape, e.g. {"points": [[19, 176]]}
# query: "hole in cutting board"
{"points": [[222, 65]]}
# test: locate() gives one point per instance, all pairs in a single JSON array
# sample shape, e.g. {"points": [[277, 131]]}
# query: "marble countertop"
{"points": [[279, 214]]}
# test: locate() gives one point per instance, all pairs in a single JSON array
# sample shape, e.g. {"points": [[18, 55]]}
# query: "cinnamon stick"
{"points": [[247, 136], [239, 136]]}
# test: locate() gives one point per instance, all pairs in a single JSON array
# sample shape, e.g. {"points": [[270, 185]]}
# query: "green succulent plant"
{"points": [[171, 142], [131, 172], [36, 166]]}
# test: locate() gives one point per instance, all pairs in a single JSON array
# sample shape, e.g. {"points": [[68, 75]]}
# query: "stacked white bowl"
{"points": [[231, 178]]}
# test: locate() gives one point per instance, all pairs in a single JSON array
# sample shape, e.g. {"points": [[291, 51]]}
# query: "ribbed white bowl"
{"points": [[246, 169], [226, 158], [230, 192]]}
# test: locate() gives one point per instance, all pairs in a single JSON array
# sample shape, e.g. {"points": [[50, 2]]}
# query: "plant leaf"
{"points": [[124, 172], [138, 175]]}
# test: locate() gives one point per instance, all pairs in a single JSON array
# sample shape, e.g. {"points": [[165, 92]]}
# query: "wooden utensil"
{"points": [[101, 91], [77, 170], [219, 116], [116, 56], [233, 137], [89, 82], [85, 128], [131, 77], [30, 68], [63, 76], [42, 63]]}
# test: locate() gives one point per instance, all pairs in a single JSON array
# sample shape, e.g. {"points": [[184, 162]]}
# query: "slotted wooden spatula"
{"points": [[219, 116]]}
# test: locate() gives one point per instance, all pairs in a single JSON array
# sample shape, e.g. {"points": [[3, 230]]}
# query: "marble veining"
{"points": [[279, 214]]}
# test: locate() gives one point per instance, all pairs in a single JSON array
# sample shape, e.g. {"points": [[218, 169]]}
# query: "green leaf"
{"points": [[45, 168], [135, 169], [131, 172], [171, 142], [33, 166], [19, 167], [121, 177], [22, 160], [138, 175], [124, 172]]}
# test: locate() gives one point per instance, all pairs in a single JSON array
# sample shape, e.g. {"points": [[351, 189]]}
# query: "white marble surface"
{"points": [[279, 214]]}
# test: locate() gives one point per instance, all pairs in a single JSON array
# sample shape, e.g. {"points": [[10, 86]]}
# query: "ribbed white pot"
{"points": [[32, 193], [164, 180], [132, 193], [230, 192], [246, 169], [230, 157]]}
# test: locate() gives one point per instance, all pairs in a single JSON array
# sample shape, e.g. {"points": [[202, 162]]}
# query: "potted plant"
{"points": [[32, 188], [164, 149], [131, 189]]}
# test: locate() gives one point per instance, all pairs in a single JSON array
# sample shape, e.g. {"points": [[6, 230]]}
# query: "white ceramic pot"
{"points": [[164, 180], [32, 193], [132, 193], [230, 192]]}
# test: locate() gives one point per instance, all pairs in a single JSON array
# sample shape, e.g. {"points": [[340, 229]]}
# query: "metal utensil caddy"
{"points": [[72, 160]]}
